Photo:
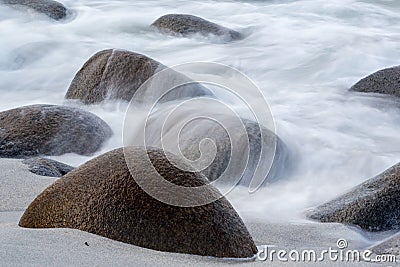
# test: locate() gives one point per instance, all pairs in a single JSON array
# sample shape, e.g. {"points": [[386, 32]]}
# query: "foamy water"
{"points": [[304, 55]]}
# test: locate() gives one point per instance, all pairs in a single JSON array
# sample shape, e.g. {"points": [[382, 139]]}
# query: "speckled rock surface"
{"points": [[185, 25], [53, 9], [116, 75], [386, 81], [101, 197], [47, 167], [50, 130], [374, 205]]}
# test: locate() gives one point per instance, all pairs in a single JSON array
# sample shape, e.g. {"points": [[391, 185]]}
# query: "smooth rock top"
{"points": [[47, 167], [117, 74], [103, 198], [374, 205], [50, 130], [182, 24], [53, 9], [386, 81]]}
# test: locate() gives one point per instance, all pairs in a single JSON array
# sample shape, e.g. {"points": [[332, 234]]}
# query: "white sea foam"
{"points": [[304, 55]]}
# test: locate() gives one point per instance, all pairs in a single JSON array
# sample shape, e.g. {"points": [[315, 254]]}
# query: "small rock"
{"points": [[184, 25], [386, 81], [103, 198], [50, 130], [47, 167], [53, 9], [374, 205]]}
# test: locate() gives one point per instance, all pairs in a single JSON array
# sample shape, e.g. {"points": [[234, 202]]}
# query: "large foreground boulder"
{"points": [[50, 130], [103, 198], [184, 25], [53, 9], [386, 81], [47, 167], [374, 205], [117, 74]]}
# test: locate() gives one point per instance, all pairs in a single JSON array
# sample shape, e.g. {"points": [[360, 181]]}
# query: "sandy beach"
{"points": [[69, 247]]}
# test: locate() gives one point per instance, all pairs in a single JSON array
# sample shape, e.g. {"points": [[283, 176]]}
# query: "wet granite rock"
{"points": [[373, 205], [117, 74], [103, 198], [50, 130], [52, 9], [385, 81], [185, 25], [252, 155], [47, 167]]}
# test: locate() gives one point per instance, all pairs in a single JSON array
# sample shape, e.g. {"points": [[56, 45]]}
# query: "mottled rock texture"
{"points": [[386, 81], [184, 25], [102, 197], [53, 9], [117, 74], [47, 167], [373, 205], [50, 130]]}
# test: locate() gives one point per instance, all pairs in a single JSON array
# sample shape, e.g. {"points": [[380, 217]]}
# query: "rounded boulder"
{"points": [[373, 205], [385, 81], [103, 198], [50, 130], [52, 9], [185, 25], [117, 74], [47, 167]]}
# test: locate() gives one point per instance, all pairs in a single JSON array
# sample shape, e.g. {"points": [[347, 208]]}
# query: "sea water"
{"points": [[303, 55]]}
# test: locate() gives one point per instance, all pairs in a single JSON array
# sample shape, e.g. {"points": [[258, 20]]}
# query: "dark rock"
{"points": [[47, 167], [386, 81], [184, 25], [50, 130], [374, 205], [389, 246], [53, 9], [103, 198], [117, 74]]}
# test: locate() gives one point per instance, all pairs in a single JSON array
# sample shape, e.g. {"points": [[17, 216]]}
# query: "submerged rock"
{"points": [[103, 198], [117, 74], [374, 205], [53, 9], [47, 167], [386, 81], [26, 55], [250, 154], [50, 130], [257, 139], [184, 25]]}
